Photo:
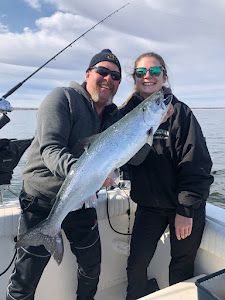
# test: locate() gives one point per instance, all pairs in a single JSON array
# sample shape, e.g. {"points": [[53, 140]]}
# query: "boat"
{"points": [[59, 282]]}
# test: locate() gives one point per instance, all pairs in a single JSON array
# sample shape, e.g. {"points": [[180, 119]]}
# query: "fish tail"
{"points": [[38, 235]]}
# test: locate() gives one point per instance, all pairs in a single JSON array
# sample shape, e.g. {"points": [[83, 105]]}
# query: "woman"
{"points": [[170, 186]]}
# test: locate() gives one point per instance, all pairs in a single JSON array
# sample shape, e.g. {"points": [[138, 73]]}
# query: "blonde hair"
{"points": [[147, 54], [151, 54]]}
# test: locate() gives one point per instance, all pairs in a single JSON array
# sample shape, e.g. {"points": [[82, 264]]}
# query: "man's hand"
{"points": [[112, 179], [183, 226], [108, 182]]}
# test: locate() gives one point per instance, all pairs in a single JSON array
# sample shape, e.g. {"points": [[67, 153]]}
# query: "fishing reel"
{"points": [[5, 107]]}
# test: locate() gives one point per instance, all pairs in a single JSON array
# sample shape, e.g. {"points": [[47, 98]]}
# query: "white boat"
{"points": [[59, 282]]}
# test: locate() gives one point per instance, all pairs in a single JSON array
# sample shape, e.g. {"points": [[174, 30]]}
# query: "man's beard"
{"points": [[96, 99], [96, 96]]}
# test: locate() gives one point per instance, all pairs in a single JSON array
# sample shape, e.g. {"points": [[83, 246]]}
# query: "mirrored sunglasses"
{"points": [[153, 71], [105, 72]]}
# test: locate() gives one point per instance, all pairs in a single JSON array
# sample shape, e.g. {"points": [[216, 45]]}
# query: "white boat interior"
{"points": [[59, 282]]}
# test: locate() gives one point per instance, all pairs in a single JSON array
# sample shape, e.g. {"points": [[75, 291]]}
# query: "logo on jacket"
{"points": [[161, 134]]}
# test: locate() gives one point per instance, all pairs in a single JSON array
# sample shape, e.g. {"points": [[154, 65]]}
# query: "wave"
{"points": [[217, 199], [218, 172]]}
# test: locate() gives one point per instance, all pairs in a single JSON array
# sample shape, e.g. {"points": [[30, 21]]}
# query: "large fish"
{"points": [[110, 150]]}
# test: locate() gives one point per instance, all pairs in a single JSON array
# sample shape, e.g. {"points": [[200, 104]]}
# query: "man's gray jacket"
{"points": [[65, 117]]}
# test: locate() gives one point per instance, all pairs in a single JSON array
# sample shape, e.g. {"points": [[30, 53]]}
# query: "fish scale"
{"points": [[110, 150]]}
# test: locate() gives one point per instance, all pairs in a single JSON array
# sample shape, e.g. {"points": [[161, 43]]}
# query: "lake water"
{"points": [[23, 123]]}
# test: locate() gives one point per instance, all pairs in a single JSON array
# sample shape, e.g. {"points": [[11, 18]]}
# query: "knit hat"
{"points": [[104, 55]]}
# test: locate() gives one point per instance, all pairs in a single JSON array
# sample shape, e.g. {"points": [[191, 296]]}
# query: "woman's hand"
{"points": [[183, 226], [169, 113]]}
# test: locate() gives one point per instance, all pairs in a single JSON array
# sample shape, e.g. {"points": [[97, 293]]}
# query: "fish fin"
{"points": [[91, 201], [115, 177], [83, 144], [87, 141], [150, 136], [58, 248], [141, 155], [37, 236]]}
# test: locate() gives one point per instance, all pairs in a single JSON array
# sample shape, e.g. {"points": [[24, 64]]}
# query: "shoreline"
{"points": [[25, 108], [36, 108], [207, 107]]}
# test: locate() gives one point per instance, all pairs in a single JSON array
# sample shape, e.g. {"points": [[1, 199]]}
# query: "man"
{"points": [[66, 116]]}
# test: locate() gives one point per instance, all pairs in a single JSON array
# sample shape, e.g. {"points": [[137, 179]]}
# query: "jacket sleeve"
{"points": [[193, 164], [140, 156], [53, 131]]}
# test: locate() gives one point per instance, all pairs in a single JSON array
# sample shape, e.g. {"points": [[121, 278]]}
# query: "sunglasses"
{"points": [[105, 72], [153, 71]]}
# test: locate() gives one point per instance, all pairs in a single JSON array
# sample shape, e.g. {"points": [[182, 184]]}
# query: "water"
{"points": [[212, 123], [23, 123]]}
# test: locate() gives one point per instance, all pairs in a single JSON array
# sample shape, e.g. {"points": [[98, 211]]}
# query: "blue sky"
{"points": [[18, 14], [189, 34]]}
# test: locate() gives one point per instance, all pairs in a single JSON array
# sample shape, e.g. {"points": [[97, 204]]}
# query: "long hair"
{"points": [[147, 54]]}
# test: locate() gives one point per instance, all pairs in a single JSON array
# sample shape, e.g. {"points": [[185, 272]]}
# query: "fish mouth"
{"points": [[168, 100]]}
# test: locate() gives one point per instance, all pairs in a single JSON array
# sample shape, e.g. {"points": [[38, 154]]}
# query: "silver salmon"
{"points": [[110, 150]]}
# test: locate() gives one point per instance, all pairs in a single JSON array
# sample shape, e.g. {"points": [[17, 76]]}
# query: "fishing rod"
{"points": [[5, 105]]}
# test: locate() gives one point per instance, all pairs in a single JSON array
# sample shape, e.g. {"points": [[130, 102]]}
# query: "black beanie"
{"points": [[104, 55]]}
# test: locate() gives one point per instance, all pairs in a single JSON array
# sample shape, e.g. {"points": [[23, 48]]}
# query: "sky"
{"points": [[188, 34]]}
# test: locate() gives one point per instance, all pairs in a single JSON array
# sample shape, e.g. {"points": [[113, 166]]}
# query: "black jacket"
{"points": [[175, 175]]}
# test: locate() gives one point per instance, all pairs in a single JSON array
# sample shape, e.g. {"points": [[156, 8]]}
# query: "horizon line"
{"points": [[36, 108]]}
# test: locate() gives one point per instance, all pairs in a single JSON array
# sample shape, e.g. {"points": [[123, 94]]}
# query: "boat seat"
{"points": [[118, 203], [186, 290]]}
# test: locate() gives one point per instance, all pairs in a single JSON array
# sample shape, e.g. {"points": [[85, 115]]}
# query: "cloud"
{"points": [[188, 34], [3, 28], [36, 4]]}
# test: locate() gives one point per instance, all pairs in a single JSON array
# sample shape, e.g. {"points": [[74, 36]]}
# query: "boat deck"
{"points": [[186, 290], [59, 282], [117, 292]]}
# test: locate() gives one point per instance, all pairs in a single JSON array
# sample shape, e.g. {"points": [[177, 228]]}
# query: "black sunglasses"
{"points": [[153, 71], [105, 71]]}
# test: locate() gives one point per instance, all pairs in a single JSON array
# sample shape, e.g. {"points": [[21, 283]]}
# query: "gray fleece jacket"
{"points": [[66, 116]]}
